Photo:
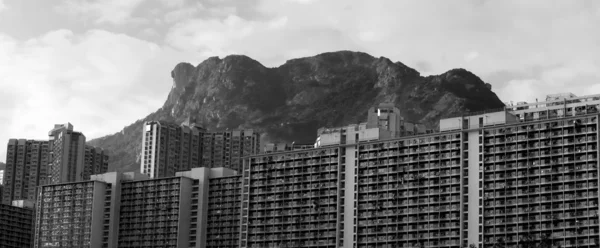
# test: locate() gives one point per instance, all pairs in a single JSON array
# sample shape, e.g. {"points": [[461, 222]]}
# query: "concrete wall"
{"points": [[474, 170], [349, 200], [185, 208], [488, 119], [97, 215]]}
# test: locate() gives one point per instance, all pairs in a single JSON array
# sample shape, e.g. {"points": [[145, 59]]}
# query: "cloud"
{"points": [[173, 3], [578, 77], [180, 14], [471, 56], [99, 81], [2, 5], [278, 23], [102, 11], [302, 1]]}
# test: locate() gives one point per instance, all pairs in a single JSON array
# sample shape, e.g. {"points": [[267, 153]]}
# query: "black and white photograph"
{"points": [[299, 123]]}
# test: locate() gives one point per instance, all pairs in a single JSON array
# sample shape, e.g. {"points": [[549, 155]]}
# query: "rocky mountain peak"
{"points": [[290, 102]]}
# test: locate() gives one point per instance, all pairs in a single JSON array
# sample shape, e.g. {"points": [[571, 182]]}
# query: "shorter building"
{"points": [[16, 224], [226, 149], [168, 148], [26, 169], [223, 222], [387, 116], [95, 162], [350, 134], [2, 167], [66, 154], [131, 210]]}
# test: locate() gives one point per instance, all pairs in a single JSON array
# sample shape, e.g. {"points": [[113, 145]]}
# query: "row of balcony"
{"points": [[543, 126], [567, 140], [411, 142], [305, 228], [381, 192], [429, 213], [296, 155], [534, 185], [556, 168], [292, 244], [331, 218], [544, 160], [578, 222]]}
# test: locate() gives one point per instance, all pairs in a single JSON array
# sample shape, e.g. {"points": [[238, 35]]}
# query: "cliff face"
{"points": [[290, 102]]}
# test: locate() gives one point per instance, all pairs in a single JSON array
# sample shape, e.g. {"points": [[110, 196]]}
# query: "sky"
{"points": [[103, 64]]}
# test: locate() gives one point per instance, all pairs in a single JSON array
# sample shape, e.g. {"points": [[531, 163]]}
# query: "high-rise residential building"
{"points": [[131, 210], [26, 169], [2, 168], [486, 179], [167, 212], [556, 105], [67, 154], [65, 158], [224, 210], [16, 222], [168, 148], [95, 162], [80, 214], [226, 149]]}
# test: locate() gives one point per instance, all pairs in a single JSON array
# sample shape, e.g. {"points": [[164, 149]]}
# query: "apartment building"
{"points": [[224, 210], [487, 178], [63, 158], [95, 162], [72, 215], [26, 168], [131, 210], [2, 168], [226, 149], [168, 148], [292, 199], [67, 153], [16, 222]]}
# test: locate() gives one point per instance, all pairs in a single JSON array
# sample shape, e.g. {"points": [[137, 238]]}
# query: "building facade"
{"points": [[71, 215], [168, 148], [95, 162], [16, 222], [2, 168], [223, 220], [486, 179], [386, 116], [26, 168], [226, 149], [491, 178], [131, 210], [64, 158], [66, 154]]}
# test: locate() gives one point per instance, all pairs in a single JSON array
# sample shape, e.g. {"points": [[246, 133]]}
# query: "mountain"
{"points": [[290, 102]]}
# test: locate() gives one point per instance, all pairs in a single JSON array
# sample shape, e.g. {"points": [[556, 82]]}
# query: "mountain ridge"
{"points": [[289, 102]]}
